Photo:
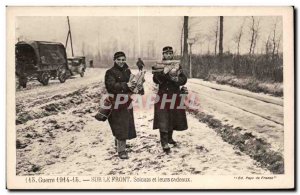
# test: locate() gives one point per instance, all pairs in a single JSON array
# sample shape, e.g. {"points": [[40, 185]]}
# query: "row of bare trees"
{"points": [[271, 45], [253, 30]]}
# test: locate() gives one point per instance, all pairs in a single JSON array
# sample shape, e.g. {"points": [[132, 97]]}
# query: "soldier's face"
{"points": [[120, 61], [168, 55]]}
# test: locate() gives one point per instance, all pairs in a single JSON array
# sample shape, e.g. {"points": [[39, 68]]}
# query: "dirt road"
{"points": [[259, 114], [57, 134]]}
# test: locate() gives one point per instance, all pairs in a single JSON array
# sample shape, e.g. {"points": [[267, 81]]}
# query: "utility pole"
{"points": [[191, 42], [69, 34]]}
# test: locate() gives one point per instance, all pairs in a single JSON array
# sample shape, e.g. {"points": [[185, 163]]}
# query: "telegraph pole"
{"points": [[191, 42], [69, 34]]}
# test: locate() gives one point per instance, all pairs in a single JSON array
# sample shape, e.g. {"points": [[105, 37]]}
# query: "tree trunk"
{"points": [[181, 39], [83, 49], [221, 36], [185, 44], [134, 50], [216, 37]]}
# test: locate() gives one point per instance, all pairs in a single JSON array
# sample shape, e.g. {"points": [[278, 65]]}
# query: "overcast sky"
{"points": [[123, 33]]}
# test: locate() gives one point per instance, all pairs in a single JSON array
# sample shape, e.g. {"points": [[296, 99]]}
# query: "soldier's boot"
{"points": [[121, 148], [116, 144], [170, 138], [123, 155], [164, 142]]}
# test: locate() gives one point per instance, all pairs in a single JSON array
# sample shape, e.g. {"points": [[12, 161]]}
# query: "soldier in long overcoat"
{"points": [[166, 118], [121, 119]]}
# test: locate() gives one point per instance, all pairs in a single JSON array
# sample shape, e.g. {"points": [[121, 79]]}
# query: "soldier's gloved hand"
{"points": [[140, 87], [131, 84], [167, 69], [173, 72], [174, 78]]}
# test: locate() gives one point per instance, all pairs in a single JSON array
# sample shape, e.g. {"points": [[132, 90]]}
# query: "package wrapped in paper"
{"points": [[172, 65], [139, 79], [160, 65]]}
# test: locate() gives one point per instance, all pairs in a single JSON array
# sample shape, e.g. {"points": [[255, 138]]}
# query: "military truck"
{"points": [[40, 60], [77, 65]]}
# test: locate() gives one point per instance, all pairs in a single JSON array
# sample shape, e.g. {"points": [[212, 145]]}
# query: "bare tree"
{"points": [[237, 38], [254, 28], [115, 47], [209, 38], [278, 44], [98, 47], [254, 42], [274, 41], [148, 49], [216, 32], [134, 49], [256, 36], [181, 40], [83, 48], [153, 49], [185, 37], [268, 45], [142, 50], [201, 43], [221, 36]]}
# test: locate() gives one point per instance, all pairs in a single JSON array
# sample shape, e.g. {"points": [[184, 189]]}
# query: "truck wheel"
{"points": [[62, 77], [44, 79]]}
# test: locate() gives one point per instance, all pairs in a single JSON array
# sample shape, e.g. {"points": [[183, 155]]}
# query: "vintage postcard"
{"points": [[150, 98]]}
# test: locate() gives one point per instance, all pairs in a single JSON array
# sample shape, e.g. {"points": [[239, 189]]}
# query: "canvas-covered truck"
{"points": [[41, 60]]}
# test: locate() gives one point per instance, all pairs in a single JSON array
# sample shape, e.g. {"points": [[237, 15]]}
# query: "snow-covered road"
{"points": [[57, 134]]}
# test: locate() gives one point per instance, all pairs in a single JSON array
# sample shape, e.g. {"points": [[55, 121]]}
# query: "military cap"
{"points": [[167, 49], [119, 54]]}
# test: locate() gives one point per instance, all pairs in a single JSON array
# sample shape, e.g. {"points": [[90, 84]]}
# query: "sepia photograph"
{"points": [[150, 98]]}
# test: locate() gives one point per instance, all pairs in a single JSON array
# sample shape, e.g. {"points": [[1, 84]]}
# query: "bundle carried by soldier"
{"points": [[136, 82], [135, 85], [172, 67]]}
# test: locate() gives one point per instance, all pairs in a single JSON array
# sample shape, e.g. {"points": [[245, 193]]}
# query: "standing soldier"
{"points": [[166, 118], [121, 118], [140, 64]]}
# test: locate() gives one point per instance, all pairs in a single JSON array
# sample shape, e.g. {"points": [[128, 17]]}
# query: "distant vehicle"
{"points": [[77, 65], [40, 60]]}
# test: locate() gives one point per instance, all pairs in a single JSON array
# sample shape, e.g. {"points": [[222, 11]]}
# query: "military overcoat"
{"points": [[166, 117], [121, 119]]}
